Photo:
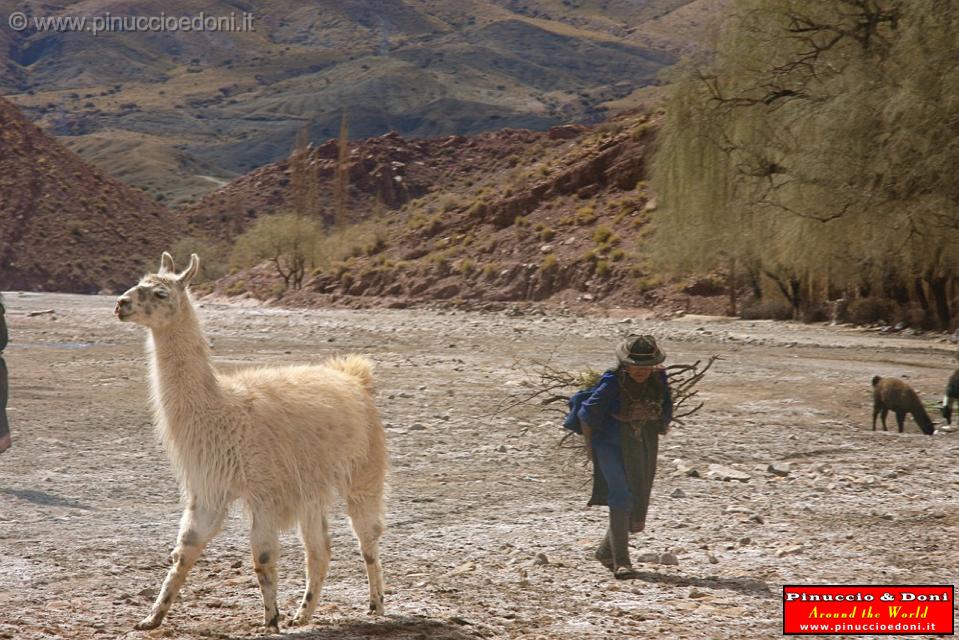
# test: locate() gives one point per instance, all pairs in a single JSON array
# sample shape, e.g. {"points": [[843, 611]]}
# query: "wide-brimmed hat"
{"points": [[640, 350]]}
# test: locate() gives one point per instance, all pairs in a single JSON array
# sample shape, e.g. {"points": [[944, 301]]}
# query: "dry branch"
{"points": [[552, 387]]}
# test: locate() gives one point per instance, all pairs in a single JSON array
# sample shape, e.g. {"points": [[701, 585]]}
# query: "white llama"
{"points": [[280, 439]]}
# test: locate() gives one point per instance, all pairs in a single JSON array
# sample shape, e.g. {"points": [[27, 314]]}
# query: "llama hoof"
{"points": [[273, 623], [148, 623], [299, 619], [377, 608]]}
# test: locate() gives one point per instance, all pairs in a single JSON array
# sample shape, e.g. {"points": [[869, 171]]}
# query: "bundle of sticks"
{"points": [[551, 388]]}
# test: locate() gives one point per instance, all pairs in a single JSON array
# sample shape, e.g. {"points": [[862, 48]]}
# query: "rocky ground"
{"points": [[488, 531]]}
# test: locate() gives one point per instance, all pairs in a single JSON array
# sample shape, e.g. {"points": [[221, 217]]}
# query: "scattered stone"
{"points": [[696, 593], [678, 493], [744, 541], [668, 559], [735, 509], [724, 473], [788, 551], [780, 469], [684, 469], [712, 559], [648, 558], [758, 519], [540, 559], [466, 567], [417, 426]]}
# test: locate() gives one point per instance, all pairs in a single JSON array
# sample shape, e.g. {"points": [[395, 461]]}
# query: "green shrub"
{"points": [[290, 243], [465, 266], [586, 215], [872, 310], [235, 288], [602, 234], [477, 210], [766, 309]]}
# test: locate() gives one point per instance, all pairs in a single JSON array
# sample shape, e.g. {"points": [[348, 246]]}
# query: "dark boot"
{"points": [[619, 543], [604, 553]]}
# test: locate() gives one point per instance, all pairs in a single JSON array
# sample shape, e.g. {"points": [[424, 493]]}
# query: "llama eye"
{"points": [[160, 293]]}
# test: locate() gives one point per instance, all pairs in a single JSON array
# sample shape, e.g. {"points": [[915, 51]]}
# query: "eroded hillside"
{"points": [[65, 225]]}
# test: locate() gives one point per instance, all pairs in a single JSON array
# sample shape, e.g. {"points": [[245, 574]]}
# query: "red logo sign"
{"points": [[875, 610]]}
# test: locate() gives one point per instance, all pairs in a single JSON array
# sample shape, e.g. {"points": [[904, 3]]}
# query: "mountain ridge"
{"points": [[234, 101]]}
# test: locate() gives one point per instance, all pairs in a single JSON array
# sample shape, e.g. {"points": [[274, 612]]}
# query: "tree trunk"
{"points": [[939, 288], [731, 284]]}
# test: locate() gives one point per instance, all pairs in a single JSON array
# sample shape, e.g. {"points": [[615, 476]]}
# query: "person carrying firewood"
{"points": [[621, 421]]}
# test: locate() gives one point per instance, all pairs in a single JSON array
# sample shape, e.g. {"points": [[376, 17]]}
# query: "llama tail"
{"points": [[357, 366]]}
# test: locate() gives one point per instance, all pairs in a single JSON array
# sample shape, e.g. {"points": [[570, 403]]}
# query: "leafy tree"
{"points": [[291, 243], [811, 153]]}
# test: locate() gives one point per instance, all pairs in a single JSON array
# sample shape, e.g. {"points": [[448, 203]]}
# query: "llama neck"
{"points": [[183, 376]]}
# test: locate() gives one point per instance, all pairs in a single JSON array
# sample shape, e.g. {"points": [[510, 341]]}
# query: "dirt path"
{"points": [[89, 508]]}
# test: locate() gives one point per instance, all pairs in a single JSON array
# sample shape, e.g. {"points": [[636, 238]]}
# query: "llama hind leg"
{"points": [[316, 540], [265, 546], [197, 526], [366, 516]]}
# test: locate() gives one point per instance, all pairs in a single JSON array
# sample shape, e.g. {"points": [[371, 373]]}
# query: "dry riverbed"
{"points": [[488, 533]]}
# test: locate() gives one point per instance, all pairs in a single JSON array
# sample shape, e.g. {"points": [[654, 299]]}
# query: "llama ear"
{"points": [[166, 263], [190, 272]]}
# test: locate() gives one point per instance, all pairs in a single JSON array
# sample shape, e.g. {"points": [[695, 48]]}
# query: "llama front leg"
{"points": [[901, 420], [316, 540], [885, 412], [366, 516], [266, 552], [197, 527]]}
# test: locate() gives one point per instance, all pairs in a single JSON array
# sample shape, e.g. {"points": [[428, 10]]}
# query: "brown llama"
{"points": [[893, 393]]}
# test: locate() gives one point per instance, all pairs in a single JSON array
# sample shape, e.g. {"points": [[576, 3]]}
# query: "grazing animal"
{"points": [[282, 440], [951, 396], [893, 393]]}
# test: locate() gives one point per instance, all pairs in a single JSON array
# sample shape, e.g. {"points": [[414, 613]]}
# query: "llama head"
{"points": [[159, 298]]}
